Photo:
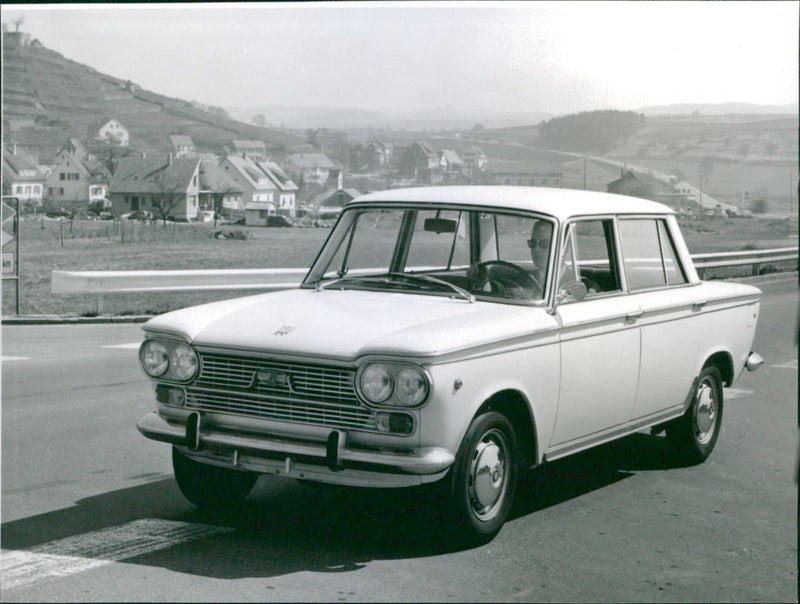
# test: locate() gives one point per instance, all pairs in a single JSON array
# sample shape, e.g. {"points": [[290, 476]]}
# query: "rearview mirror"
{"points": [[440, 225]]}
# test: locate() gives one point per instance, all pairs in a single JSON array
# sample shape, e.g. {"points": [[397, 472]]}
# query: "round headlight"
{"points": [[411, 387], [184, 362], [376, 383], [155, 358]]}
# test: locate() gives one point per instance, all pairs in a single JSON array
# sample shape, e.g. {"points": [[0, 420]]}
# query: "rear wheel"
{"points": [[209, 486], [695, 433], [483, 478]]}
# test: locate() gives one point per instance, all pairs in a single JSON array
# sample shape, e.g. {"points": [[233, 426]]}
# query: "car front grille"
{"points": [[272, 389]]}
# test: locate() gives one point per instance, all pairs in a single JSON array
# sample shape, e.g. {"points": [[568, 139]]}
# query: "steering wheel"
{"points": [[505, 279]]}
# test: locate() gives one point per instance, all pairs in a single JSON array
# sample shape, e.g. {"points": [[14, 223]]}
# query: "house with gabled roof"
{"points": [[420, 156], [21, 177], [287, 190], [329, 203], [110, 130], [167, 187], [76, 180], [182, 145], [310, 167], [218, 190], [254, 149]]}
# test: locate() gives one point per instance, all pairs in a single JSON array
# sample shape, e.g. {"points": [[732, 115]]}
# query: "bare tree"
{"points": [[166, 198], [18, 21], [218, 197]]}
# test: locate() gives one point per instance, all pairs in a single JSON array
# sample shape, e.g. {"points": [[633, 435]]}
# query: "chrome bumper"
{"points": [[333, 462], [754, 361]]}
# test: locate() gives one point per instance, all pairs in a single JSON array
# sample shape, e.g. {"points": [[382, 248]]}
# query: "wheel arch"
{"points": [[514, 405], [723, 361]]}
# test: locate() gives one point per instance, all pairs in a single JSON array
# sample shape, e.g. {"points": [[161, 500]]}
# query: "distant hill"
{"points": [[48, 98], [718, 108], [436, 118]]}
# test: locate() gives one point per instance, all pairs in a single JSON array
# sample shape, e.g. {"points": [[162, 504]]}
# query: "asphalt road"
{"points": [[90, 511]]}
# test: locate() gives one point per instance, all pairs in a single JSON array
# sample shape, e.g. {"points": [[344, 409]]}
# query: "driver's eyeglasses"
{"points": [[540, 243]]}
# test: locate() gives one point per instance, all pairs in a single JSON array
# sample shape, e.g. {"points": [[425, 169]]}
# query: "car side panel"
{"points": [[462, 387], [600, 349]]}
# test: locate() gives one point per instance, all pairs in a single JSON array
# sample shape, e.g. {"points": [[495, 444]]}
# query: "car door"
{"points": [[660, 285], [599, 343]]}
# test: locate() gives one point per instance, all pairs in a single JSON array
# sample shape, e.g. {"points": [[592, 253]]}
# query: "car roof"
{"points": [[560, 203]]}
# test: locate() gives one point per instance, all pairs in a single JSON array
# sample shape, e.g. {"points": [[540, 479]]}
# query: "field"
{"points": [[48, 245]]}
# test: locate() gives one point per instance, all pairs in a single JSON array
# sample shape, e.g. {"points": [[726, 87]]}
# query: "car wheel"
{"points": [[694, 434], [209, 486], [484, 478]]}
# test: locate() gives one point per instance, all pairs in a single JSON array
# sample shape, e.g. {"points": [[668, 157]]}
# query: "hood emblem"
{"points": [[285, 330]]}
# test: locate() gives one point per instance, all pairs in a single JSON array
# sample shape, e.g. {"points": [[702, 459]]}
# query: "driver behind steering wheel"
{"points": [[511, 281]]}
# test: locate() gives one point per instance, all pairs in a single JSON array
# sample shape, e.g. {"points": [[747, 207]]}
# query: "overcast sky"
{"points": [[556, 57]]}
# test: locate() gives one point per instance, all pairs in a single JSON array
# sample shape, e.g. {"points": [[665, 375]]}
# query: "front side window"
{"points": [[588, 259], [438, 251], [649, 253]]}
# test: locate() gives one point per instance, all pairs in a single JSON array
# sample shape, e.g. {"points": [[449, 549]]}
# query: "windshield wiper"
{"points": [[387, 278], [430, 279]]}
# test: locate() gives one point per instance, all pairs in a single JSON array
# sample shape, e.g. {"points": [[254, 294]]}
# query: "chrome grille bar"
{"points": [[273, 389]]}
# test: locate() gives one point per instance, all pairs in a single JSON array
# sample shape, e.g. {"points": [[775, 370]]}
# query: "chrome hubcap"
{"points": [[705, 414], [487, 475]]}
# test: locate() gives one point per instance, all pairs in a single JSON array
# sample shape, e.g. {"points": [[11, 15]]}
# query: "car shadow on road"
{"points": [[285, 527], [564, 479]]}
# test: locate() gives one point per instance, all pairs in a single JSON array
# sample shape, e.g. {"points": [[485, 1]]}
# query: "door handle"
{"points": [[633, 315], [699, 304]]}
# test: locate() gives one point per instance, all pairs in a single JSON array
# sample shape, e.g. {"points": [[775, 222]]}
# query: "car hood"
{"points": [[348, 324]]}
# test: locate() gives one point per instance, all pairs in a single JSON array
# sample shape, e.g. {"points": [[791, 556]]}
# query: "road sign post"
{"points": [[9, 216]]}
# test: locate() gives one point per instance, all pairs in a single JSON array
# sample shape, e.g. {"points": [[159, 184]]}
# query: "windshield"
{"points": [[439, 251]]}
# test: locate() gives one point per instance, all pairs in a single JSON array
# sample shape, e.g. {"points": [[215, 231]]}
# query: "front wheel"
{"points": [[209, 486], [484, 478], [695, 433]]}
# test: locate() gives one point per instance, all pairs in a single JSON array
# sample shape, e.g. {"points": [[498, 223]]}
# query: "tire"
{"points": [[694, 435], [483, 479], [208, 486]]}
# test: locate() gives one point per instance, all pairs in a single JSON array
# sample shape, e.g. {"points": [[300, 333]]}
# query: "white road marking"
{"points": [[98, 548], [730, 393], [788, 364], [4, 359], [131, 345]]}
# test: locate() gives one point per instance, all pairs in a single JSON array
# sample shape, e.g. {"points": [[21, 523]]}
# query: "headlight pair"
{"points": [[393, 384], [168, 360]]}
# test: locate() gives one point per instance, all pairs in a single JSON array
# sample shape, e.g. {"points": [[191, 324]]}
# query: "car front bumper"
{"points": [[332, 462]]}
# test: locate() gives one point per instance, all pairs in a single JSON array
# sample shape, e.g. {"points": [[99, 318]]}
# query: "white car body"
{"points": [[568, 373]]}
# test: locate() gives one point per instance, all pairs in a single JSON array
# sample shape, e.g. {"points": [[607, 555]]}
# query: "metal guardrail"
{"points": [[115, 282], [755, 258]]}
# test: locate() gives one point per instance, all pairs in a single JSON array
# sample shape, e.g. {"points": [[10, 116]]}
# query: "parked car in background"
{"points": [[453, 336], [139, 215], [277, 220]]}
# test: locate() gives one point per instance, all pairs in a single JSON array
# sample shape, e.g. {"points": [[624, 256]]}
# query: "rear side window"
{"points": [[649, 254]]}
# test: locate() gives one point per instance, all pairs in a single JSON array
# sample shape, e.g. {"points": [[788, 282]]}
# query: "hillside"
{"points": [[48, 98]]}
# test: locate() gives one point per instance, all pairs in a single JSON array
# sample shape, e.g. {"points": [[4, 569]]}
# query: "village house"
{"points": [[164, 186], [380, 155], [218, 190], [182, 145], [266, 189], [22, 178], [420, 157], [109, 130], [255, 150], [524, 174], [475, 160], [310, 167], [330, 203], [75, 181]]}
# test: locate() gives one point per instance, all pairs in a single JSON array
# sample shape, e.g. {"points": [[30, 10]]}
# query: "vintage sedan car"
{"points": [[458, 336]]}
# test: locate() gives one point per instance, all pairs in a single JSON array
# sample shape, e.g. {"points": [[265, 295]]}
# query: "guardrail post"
{"points": [[99, 307]]}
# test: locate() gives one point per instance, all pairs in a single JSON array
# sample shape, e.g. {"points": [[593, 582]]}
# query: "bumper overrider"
{"points": [[332, 462]]}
